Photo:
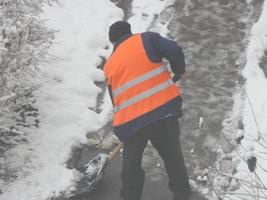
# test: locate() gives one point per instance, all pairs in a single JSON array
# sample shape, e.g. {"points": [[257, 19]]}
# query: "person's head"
{"points": [[119, 29]]}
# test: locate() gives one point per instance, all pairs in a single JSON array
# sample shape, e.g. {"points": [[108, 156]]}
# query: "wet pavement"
{"points": [[213, 35], [109, 186]]}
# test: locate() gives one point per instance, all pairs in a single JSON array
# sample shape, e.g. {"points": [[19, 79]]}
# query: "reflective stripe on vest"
{"points": [[144, 95], [138, 80]]}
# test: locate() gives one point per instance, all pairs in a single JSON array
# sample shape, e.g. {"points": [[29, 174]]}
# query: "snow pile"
{"points": [[64, 101], [254, 144], [146, 15]]}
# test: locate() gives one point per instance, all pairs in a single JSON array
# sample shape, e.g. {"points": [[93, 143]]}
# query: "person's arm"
{"points": [[169, 49]]}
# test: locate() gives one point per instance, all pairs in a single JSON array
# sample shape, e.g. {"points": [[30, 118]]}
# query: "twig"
{"points": [[212, 187], [254, 117], [242, 180], [242, 194], [260, 180], [257, 188], [263, 192], [29, 90], [244, 188]]}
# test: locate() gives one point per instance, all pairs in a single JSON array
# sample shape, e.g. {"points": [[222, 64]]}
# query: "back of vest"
{"points": [[138, 85]]}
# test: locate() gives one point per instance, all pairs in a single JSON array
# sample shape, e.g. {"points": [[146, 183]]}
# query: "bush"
{"points": [[24, 43]]}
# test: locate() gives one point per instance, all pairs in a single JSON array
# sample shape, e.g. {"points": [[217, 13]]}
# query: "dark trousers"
{"points": [[164, 136]]}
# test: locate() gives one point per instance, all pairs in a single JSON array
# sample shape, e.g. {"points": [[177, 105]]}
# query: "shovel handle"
{"points": [[115, 151]]}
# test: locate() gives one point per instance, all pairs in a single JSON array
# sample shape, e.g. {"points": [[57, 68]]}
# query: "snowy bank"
{"points": [[64, 101], [254, 117]]}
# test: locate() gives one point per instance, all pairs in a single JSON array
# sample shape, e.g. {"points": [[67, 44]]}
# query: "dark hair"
{"points": [[119, 29]]}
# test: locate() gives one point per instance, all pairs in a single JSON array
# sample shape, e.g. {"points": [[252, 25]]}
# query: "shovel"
{"points": [[94, 172]]}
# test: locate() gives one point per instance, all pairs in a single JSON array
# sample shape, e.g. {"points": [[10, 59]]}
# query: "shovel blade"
{"points": [[93, 174], [95, 168]]}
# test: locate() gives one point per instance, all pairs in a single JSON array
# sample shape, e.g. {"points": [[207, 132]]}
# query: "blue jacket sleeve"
{"points": [[158, 47]]}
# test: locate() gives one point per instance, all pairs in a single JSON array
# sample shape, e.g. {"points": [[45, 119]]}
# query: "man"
{"points": [[146, 104]]}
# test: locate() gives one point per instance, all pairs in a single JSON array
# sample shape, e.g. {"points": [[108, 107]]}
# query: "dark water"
{"points": [[213, 34]]}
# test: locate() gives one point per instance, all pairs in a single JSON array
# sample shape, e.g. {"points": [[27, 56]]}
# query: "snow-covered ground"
{"points": [[64, 101], [254, 118], [146, 12]]}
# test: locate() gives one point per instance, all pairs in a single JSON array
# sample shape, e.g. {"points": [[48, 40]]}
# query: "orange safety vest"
{"points": [[138, 85]]}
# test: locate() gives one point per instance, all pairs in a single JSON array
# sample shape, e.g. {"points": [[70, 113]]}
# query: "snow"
{"points": [[145, 12], [64, 100], [5, 98], [255, 110]]}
